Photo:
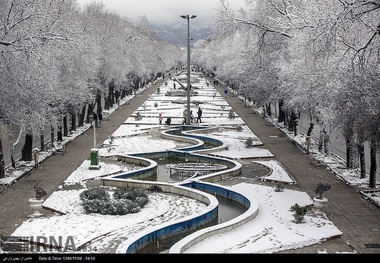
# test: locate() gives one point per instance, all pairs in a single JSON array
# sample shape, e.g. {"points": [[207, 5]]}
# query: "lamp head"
{"points": [[188, 16]]}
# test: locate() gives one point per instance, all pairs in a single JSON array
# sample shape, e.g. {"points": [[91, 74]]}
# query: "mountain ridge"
{"points": [[177, 33]]}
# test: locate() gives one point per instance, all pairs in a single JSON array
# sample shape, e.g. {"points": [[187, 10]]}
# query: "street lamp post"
{"points": [[94, 157], [188, 17], [93, 126]]}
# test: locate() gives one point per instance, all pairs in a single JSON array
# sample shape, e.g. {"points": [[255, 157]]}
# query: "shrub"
{"points": [[95, 193], [279, 187], [299, 212], [93, 206], [129, 193], [125, 201], [125, 194], [140, 192], [121, 208], [39, 192], [108, 208], [248, 143], [142, 200], [138, 116]]}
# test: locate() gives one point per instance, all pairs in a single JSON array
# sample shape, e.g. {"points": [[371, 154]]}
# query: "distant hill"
{"points": [[177, 33]]}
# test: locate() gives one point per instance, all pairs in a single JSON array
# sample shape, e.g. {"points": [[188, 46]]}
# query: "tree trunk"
{"points": [[111, 90], [363, 173], [281, 114], [320, 141], [98, 103], [293, 123], [2, 164], [90, 110], [117, 97], [73, 122], [269, 109], [287, 120], [59, 131], [42, 141], [13, 162], [351, 154], [81, 116], [373, 167], [26, 152], [308, 137], [326, 142], [310, 115], [106, 104], [65, 128], [14, 147], [52, 136]]}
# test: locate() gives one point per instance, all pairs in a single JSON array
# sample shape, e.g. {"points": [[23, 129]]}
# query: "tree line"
{"points": [[320, 57], [58, 61]]}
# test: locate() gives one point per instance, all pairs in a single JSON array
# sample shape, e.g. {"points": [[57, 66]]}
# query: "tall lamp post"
{"points": [[94, 157], [188, 17]]}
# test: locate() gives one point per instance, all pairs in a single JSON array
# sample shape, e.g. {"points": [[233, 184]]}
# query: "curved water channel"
{"points": [[227, 209], [173, 170]]}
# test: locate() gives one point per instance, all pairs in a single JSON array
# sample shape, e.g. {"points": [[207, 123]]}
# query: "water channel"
{"points": [[227, 209]]}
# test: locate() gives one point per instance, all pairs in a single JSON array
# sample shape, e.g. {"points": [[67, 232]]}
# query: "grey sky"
{"points": [[164, 12]]}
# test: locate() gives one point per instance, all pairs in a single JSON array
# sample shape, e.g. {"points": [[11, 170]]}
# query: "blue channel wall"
{"points": [[147, 237], [219, 191], [142, 240], [150, 166], [139, 241]]}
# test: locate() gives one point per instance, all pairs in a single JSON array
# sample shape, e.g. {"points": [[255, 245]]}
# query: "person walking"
{"points": [[160, 118], [168, 120], [199, 117], [191, 116], [184, 115]]}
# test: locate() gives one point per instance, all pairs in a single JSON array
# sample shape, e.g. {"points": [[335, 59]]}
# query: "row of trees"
{"points": [[57, 62], [319, 56]]}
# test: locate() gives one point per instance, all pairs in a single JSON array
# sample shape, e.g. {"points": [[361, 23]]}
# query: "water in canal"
{"points": [[227, 210]]}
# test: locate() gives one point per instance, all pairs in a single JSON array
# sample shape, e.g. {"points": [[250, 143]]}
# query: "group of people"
{"points": [[199, 116], [184, 114]]}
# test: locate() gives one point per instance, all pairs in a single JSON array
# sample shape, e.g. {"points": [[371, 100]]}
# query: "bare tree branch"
{"points": [[258, 25]]}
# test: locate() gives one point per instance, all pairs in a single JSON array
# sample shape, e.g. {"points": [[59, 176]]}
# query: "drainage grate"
{"points": [[372, 245]]}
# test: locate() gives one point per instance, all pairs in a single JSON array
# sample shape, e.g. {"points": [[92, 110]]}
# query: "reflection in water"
{"points": [[163, 172]]}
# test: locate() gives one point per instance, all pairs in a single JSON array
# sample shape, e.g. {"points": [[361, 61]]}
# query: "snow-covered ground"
{"points": [[272, 230]]}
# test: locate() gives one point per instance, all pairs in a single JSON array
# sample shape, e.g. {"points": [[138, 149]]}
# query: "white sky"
{"points": [[272, 230], [165, 12]]}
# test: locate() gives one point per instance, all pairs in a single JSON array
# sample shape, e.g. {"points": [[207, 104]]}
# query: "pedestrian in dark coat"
{"points": [[199, 117]]}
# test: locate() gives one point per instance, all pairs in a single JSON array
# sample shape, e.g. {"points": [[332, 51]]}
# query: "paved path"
{"points": [[14, 204], [356, 218]]}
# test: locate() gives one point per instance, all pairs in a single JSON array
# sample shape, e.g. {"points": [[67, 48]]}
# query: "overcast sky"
{"points": [[164, 12]]}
